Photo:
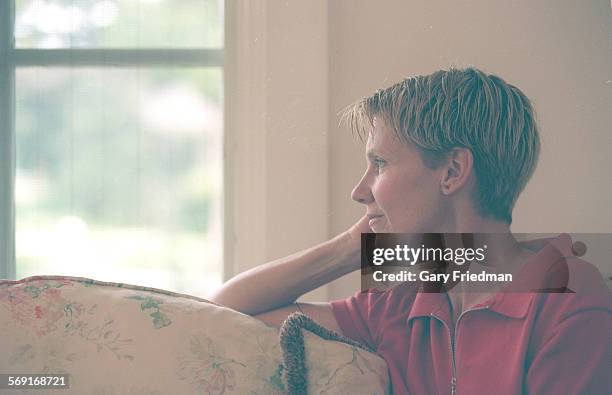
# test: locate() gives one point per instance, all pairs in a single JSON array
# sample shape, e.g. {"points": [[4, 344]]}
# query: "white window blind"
{"points": [[112, 141]]}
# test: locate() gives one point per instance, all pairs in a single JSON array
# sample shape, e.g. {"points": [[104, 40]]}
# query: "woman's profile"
{"points": [[446, 153]]}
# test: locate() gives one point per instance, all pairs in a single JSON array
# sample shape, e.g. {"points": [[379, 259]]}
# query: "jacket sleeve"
{"points": [[365, 315], [355, 315]]}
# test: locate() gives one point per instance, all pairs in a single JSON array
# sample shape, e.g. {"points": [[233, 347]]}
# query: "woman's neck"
{"points": [[503, 254]]}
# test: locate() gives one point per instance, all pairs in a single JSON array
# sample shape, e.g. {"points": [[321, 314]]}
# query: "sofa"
{"points": [[113, 338]]}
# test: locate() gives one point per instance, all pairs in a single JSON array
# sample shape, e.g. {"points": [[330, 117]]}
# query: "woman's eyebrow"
{"points": [[371, 154]]}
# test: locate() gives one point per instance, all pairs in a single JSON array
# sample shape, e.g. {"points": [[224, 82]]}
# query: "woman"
{"points": [[448, 153]]}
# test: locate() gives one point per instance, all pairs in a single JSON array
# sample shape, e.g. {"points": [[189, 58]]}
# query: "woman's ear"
{"points": [[457, 170]]}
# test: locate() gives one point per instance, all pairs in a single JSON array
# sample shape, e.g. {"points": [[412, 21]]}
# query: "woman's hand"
{"points": [[361, 226]]}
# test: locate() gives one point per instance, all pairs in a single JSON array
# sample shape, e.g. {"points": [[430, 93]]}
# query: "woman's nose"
{"points": [[362, 192]]}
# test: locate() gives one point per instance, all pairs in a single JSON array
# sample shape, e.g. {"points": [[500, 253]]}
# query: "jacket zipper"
{"points": [[453, 341]]}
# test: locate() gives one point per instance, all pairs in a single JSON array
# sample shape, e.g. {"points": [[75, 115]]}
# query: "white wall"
{"points": [[276, 121]]}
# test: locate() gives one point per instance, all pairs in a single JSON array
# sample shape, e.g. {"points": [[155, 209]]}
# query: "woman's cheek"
{"points": [[383, 191]]}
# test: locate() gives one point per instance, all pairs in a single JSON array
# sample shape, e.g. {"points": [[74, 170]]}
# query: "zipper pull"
{"points": [[454, 386]]}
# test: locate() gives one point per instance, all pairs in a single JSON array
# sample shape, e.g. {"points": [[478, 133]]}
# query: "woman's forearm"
{"points": [[284, 280]]}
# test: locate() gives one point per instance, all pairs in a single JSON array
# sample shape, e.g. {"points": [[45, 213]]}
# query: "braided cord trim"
{"points": [[294, 355]]}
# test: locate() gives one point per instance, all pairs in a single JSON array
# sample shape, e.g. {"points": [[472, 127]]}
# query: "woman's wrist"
{"points": [[349, 245]]}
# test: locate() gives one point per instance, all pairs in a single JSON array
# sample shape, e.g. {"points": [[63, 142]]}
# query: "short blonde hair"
{"points": [[462, 108]]}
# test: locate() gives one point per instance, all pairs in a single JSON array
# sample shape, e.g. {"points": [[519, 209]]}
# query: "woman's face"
{"points": [[400, 193]]}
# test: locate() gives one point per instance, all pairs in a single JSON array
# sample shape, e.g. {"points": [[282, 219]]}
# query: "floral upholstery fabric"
{"points": [[120, 339]]}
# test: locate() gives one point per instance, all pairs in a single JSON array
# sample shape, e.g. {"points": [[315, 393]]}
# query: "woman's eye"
{"points": [[379, 163]]}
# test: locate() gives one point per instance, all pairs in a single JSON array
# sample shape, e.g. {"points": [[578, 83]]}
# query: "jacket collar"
{"points": [[515, 301]]}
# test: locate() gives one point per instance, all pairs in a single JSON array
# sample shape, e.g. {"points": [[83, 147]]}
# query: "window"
{"points": [[113, 112]]}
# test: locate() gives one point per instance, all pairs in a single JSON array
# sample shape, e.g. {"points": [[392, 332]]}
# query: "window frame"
{"points": [[12, 58]]}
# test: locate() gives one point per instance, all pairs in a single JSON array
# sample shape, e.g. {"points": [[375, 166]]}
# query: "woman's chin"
{"points": [[378, 224]]}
